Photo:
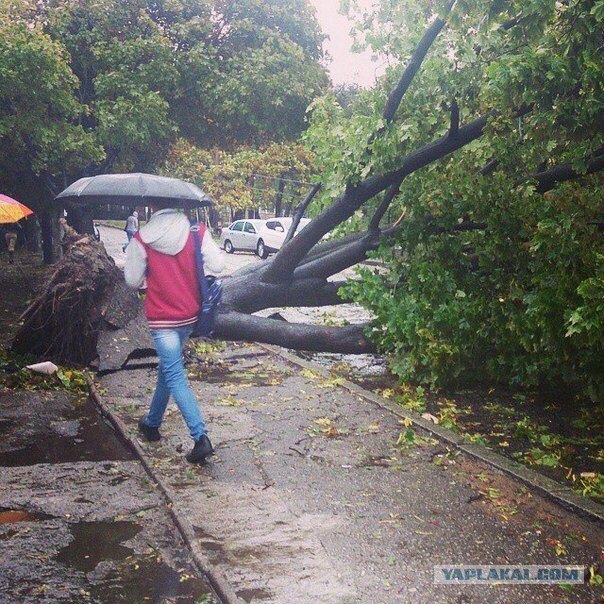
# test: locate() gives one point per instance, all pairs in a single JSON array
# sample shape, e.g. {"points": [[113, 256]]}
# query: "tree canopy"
{"points": [[107, 85], [480, 151], [228, 175], [495, 268], [39, 123]]}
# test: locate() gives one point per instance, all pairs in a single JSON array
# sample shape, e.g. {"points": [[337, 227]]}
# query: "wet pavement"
{"points": [[316, 495], [79, 519], [54, 427], [499, 416]]}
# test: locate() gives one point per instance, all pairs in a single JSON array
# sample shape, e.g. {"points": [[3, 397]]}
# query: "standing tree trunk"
{"points": [[81, 220], [51, 237], [278, 201], [33, 235]]}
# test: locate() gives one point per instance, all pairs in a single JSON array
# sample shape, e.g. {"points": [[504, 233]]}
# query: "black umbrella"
{"points": [[134, 190]]}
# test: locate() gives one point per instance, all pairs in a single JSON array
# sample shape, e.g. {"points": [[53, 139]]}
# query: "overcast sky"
{"points": [[345, 66]]}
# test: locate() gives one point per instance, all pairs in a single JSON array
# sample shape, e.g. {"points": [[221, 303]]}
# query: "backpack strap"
{"points": [[201, 278]]}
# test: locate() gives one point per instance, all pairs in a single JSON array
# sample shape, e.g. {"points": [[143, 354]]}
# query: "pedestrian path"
{"points": [[317, 495]]}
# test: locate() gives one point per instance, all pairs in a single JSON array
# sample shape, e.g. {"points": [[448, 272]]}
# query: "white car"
{"points": [[272, 234], [261, 236], [241, 235]]}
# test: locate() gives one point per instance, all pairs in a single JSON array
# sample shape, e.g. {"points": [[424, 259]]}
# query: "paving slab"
{"points": [[312, 495]]}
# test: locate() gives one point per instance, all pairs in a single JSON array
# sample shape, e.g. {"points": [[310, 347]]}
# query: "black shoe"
{"points": [[150, 434], [202, 449]]}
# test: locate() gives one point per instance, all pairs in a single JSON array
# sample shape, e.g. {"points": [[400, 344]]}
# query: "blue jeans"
{"points": [[172, 380], [129, 234]]}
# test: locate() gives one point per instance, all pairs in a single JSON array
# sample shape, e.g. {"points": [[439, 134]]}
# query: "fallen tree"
{"points": [[64, 320], [301, 273]]}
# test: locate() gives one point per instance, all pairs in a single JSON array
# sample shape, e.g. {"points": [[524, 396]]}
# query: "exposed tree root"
{"points": [[64, 320]]}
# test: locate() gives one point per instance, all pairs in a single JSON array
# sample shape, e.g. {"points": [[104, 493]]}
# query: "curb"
{"points": [[548, 487], [216, 579]]}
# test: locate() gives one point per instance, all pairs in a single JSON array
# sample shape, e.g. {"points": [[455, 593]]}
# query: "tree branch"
{"points": [[454, 127], [461, 227], [340, 259], [300, 210], [507, 25], [548, 179], [391, 193], [326, 247], [415, 61], [489, 167], [349, 339], [354, 197], [287, 259], [251, 295], [321, 249]]}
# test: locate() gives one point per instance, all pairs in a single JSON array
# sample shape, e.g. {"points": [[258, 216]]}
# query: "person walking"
{"points": [[163, 254], [131, 228], [10, 237]]}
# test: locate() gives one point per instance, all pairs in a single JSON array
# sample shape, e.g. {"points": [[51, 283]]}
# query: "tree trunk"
{"points": [[345, 340], [80, 219], [51, 236], [278, 201], [33, 234]]}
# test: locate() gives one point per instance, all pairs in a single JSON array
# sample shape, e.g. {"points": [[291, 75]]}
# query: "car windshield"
{"points": [[237, 226]]}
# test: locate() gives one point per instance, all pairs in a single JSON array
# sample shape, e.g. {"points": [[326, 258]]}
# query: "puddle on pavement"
{"points": [[134, 578], [95, 440], [152, 581], [253, 595], [97, 541], [255, 375], [8, 516]]}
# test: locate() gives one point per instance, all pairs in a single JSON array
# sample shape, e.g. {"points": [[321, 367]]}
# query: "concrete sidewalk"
{"points": [[314, 497]]}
